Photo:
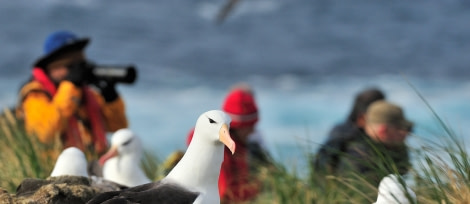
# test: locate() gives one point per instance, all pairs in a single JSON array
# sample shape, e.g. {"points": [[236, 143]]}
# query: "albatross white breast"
{"points": [[195, 178]]}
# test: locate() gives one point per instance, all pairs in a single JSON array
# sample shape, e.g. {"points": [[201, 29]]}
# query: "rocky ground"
{"points": [[63, 189]]}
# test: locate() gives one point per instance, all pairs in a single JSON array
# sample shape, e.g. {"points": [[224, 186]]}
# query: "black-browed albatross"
{"points": [[121, 164], [195, 178], [71, 162]]}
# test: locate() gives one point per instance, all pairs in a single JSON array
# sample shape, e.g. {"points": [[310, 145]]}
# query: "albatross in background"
{"points": [[391, 191], [195, 178], [68, 182], [71, 162], [121, 164]]}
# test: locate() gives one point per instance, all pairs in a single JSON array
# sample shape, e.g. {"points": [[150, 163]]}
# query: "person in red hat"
{"points": [[57, 102], [236, 182]]}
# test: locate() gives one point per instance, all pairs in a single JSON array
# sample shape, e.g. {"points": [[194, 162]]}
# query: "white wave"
{"points": [[299, 110]]}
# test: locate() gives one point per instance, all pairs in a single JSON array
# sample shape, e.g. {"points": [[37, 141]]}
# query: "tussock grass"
{"points": [[150, 166], [441, 175], [22, 155]]}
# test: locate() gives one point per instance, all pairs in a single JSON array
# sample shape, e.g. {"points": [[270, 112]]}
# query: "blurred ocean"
{"points": [[306, 59]]}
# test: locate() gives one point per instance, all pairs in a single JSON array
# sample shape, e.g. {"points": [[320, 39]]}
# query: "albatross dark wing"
{"points": [[148, 193], [107, 196]]}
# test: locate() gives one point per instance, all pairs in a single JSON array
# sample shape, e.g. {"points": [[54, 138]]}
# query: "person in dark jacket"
{"points": [[382, 151], [327, 157]]}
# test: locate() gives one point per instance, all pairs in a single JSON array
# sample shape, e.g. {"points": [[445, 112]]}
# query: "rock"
{"points": [[5, 197], [62, 189]]}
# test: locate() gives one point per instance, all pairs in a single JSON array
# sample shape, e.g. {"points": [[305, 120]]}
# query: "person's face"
{"points": [[387, 134], [395, 135], [57, 69]]}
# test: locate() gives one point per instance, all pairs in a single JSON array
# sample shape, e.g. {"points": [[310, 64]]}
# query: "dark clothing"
{"points": [[373, 160], [257, 154], [348, 149], [327, 158]]}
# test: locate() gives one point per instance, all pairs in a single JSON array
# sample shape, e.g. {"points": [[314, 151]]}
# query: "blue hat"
{"points": [[58, 43]]}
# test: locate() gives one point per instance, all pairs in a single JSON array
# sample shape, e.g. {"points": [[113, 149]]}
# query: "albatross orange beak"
{"points": [[224, 137], [112, 152]]}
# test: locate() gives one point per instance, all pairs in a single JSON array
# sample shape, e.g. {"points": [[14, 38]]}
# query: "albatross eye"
{"points": [[127, 142], [212, 121]]}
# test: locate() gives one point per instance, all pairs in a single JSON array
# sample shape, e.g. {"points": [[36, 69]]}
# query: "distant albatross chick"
{"points": [[195, 178], [71, 162], [391, 191], [121, 164]]}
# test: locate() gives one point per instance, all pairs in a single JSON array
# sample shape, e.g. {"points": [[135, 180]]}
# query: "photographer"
{"points": [[58, 103]]}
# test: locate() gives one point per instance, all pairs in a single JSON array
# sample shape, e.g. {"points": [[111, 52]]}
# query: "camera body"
{"points": [[110, 73]]}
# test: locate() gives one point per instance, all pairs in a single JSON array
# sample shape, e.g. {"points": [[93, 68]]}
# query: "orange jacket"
{"points": [[48, 115]]}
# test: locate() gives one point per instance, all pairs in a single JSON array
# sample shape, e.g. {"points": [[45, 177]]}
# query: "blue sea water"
{"points": [[306, 59]]}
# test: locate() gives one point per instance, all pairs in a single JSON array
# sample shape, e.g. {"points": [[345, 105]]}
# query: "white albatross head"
{"points": [[71, 162], [213, 127], [123, 142], [121, 164]]}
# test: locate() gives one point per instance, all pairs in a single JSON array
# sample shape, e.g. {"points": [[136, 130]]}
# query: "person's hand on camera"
{"points": [[107, 89], [77, 73]]}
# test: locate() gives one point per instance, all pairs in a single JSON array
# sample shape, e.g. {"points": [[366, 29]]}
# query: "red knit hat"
{"points": [[240, 105]]}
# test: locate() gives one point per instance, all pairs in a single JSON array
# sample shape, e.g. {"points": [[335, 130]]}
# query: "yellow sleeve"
{"points": [[46, 117], [114, 113]]}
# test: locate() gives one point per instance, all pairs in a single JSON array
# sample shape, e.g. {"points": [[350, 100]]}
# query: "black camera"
{"points": [[118, 74]]}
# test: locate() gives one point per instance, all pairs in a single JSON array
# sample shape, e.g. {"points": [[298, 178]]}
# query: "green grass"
{"points": [[441, 175], [22, 156]]}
